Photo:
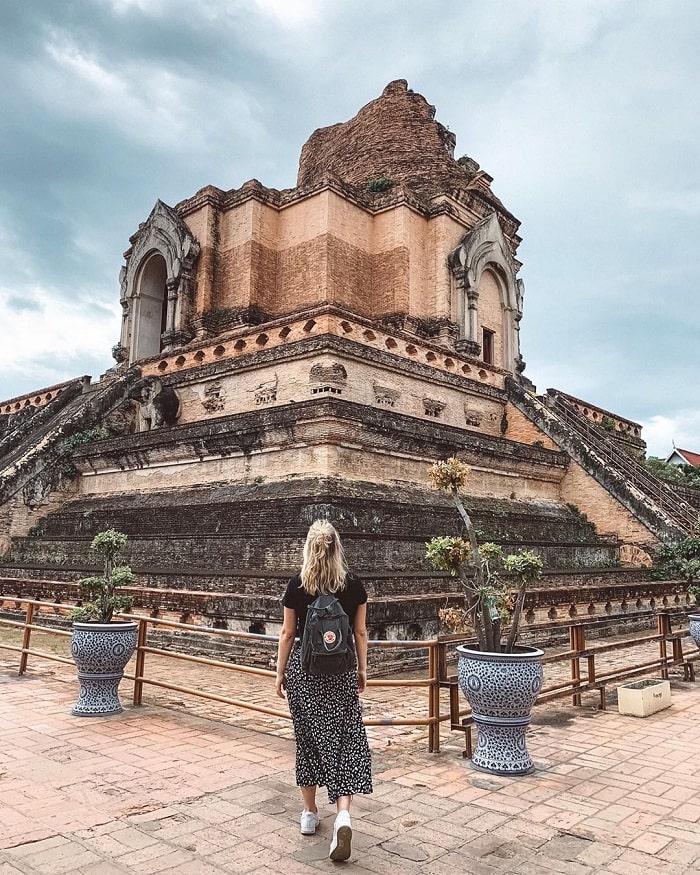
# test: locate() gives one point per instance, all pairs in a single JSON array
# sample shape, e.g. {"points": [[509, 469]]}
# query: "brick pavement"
{"points": [[164, 790]]}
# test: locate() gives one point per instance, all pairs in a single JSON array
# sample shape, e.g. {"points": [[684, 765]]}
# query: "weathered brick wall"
{"points": [[524, 431], [608, 515], [394, 136], [324, 248], [17, 520], [331, 239], [351, 277], [262, 526], [204, 225], [329, 436]]}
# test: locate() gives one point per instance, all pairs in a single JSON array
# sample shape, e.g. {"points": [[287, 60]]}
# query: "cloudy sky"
{"points": [[585, 112]]}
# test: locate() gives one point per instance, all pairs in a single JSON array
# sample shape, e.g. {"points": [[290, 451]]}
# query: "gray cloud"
{"points": [[583, 111]]}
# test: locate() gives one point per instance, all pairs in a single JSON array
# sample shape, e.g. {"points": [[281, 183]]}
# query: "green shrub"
{"points": [[100, 591]]}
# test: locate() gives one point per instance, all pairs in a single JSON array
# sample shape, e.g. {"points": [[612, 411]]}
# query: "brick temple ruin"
{"points": [[288, 355]]}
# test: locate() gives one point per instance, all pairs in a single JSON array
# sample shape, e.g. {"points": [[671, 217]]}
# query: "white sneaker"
{"points": [[309, 821], [342, 837]]}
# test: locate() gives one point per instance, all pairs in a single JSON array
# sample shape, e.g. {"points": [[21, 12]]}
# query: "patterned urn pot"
{"points": [[695, 627], [501, 689], [101, 651]]}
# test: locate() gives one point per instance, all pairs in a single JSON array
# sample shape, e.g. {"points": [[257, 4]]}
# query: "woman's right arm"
{"points": [[360, 630], [286, 640]]}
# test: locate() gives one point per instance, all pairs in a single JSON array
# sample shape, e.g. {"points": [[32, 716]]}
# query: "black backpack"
{"points": [[326, 646]]}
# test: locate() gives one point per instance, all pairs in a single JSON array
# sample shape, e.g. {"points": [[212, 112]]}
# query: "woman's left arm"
{"points": [[360, 630]]}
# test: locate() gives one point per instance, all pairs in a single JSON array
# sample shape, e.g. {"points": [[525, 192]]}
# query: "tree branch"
{"points": [[515, 619]]}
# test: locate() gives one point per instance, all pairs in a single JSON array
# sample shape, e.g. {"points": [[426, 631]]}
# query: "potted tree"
{"points": [[499, 678], [101, 646]]}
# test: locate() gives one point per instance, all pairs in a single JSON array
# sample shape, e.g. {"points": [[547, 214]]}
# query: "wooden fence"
{"points": [[667, 645]]}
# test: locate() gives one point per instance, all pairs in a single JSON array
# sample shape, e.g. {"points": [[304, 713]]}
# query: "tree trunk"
{"points": [[480, 614], [515, 620]]}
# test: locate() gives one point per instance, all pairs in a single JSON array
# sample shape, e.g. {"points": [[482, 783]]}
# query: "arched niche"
{"points": [[156, 285], [488, 296], [151, 307], [493, 316]]}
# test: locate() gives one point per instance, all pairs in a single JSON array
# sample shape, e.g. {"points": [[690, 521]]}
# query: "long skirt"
{"points": [[332, 749]]}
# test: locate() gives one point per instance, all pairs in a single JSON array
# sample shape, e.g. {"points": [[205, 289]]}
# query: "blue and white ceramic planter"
{"points": [[501, 689], [101, 652], [695, 627]]}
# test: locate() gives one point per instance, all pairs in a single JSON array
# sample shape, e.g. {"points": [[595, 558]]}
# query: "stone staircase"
{"points": [[20, 429], [32, 450], [652, 501]]}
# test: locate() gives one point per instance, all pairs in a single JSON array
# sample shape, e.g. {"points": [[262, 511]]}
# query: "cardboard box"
{"points": [[642, 698]]}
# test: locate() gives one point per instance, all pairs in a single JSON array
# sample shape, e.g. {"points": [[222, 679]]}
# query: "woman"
{"points": [[332, 749]]}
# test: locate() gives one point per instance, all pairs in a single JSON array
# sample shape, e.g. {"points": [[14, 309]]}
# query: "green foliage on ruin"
{"points": [[70, 444], [384, 183]]}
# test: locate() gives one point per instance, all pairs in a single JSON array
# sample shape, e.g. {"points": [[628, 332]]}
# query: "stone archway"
{"points": [[151, 306], [156, 285], [483, 255]]}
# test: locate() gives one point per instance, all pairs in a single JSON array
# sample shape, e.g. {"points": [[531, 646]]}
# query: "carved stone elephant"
{"points": [[158, 405]]}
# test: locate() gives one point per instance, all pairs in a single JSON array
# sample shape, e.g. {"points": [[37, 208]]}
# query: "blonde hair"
{"points": [[323, 568]]}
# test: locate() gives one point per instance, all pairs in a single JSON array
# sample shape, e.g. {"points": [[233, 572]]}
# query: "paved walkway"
{"points": [[163, 790]]}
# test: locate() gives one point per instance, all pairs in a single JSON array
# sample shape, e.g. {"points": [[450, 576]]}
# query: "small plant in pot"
{"points": [[101, 646], [499, 678]]}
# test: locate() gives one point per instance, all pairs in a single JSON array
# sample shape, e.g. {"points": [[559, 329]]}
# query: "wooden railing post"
{"points": [[663, 621], [434, 698], [577, 643], [140, 660], [26, 638], [591, 668], [677, 650], [442, 660]]}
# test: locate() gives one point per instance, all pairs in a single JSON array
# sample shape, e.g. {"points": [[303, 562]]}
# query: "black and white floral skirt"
{"points": [[332, 749]]}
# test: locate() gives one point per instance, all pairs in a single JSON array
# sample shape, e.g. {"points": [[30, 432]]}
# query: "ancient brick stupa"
{"points": [[384, 223], [286, 355]]}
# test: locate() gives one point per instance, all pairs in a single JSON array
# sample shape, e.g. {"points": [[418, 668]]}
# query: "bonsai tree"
{"points": [[490, 604], [100, 592]]}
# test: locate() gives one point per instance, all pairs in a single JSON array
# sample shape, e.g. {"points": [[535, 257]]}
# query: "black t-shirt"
{"points": [[351, 597]]}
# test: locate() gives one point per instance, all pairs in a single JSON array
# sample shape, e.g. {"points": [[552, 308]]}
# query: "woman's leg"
{"points": [[342, 803], [308, 794], [309, 819], [342, 830]]}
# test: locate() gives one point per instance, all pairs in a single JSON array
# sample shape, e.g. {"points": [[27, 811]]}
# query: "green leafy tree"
{"points": [[101, 599], [662, 470], [490, 603], [680, 559], [682, 475]]}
